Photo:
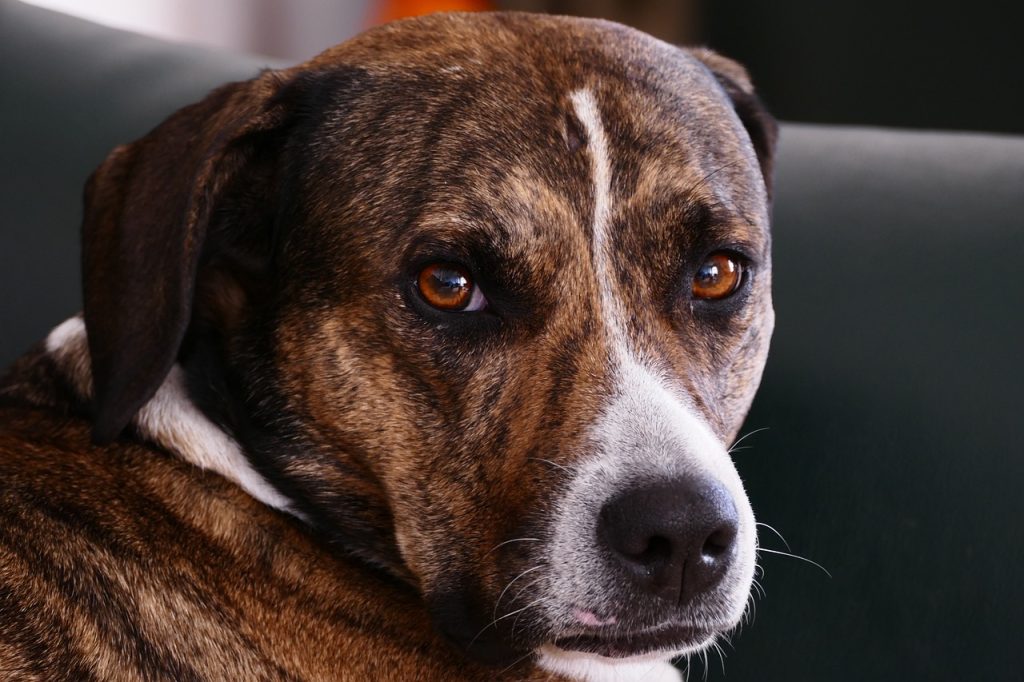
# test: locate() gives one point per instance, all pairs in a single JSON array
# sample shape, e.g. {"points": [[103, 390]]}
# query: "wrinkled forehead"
{"points": [[482, 119]]}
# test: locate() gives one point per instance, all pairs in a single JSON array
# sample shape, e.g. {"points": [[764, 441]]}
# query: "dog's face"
{"points": [[487, 297]]}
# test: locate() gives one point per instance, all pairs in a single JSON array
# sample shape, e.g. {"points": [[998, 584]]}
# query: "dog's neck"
{"points": [[170, 420]]}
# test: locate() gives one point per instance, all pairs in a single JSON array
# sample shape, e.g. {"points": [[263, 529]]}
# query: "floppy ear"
{"points": [[147, 213], [760, 125]]}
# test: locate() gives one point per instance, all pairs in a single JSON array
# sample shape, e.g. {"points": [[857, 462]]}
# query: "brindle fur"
{"points": [[265, 239]]}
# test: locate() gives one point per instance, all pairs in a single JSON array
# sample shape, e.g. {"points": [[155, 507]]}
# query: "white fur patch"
{"points": [[590, 117], [650, 430], [170, 419], [591, 668]]}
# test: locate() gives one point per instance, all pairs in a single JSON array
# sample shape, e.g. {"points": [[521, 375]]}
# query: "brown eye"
{"points": [[718, 277], [449, 287]]}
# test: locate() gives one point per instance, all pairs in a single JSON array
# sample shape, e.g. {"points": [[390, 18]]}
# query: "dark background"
{"points": [[907, 63], [955, 65]]}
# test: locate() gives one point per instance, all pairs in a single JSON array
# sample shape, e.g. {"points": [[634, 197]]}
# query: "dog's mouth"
{"points": [[671, 639]]}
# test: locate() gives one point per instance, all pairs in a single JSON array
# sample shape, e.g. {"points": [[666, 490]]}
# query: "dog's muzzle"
{"points": [[653, 550]]}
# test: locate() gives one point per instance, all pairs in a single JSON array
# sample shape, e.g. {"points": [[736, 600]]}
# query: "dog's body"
{"points": [[309, 467], [123, 562]]}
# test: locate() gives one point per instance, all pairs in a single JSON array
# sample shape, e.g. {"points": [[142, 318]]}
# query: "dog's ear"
{"points": [[760, 125], [147, 213]]}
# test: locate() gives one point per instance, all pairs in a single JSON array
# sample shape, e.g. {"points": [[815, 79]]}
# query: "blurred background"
{"points": [[910, 63]]}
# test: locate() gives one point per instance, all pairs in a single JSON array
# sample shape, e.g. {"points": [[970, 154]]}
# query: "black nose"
{"points": [[674, 539]]}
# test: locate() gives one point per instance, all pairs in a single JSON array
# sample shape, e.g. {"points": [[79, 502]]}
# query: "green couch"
{"points": [[892, 456]]}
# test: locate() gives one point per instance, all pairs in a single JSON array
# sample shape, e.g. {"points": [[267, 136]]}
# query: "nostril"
{"points": [[639, 549], [658, 551], [718, 543]]}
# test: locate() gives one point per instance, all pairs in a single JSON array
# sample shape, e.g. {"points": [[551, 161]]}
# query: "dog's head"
{"points": [[486, 296]]}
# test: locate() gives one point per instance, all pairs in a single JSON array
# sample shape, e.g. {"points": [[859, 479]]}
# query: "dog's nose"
{"points": [[674, 539]]}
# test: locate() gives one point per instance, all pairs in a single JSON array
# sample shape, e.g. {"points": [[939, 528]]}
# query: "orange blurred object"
{"points": [[389, 10]]}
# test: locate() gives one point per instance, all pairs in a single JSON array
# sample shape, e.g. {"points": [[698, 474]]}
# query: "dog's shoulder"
{"points": [[122, 558]]}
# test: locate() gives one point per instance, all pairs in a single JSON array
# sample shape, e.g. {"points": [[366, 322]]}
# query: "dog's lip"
{"points": [[673, 637]]}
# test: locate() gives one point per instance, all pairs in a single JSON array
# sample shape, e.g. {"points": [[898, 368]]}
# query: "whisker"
{"points": [[524, 588], [497, 620], [509, 542], [500, 596], [750, 613], [520, 612], [788, 548], [554, 464], [795, 556], [721, 654], [732, 448], [700, 183], [516, 662]]}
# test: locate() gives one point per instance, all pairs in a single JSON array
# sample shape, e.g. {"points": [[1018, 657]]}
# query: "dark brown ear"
{"points": [[760, 125], [147, 209]]}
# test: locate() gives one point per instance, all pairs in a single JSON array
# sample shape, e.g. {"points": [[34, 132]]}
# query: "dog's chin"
{"points": [[640, 656], [644, 655], [660, 643], [663, 642]]}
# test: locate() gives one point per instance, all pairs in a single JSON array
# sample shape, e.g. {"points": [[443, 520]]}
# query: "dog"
{"points": [[418, 361]]}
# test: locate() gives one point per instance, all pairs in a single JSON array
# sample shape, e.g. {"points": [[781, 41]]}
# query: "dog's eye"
{"points": [[718, 277], [450, 287]]}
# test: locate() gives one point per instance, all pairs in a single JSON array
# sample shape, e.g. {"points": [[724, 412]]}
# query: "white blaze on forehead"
{"points": [[589, 116]]}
